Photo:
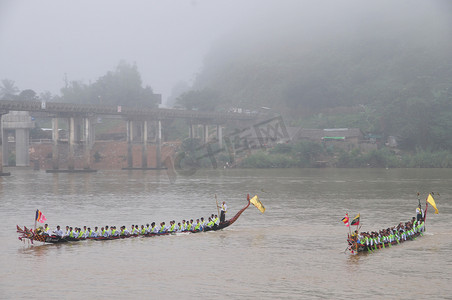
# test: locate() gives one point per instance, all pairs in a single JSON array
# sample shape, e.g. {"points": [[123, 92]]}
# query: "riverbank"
{"points": [[104, 155]]}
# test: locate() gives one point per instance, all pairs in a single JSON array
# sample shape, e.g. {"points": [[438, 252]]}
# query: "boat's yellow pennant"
{"points": [[432, 202], [256, 202]]}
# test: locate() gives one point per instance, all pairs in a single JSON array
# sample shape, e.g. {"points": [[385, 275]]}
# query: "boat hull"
{"points": [[355, 248]]}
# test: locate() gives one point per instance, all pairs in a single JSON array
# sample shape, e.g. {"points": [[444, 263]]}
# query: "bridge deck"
{"points": [[126, 112]]}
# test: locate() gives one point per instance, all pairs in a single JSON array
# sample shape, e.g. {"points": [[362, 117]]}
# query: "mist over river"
{"points": [[295, 250]]}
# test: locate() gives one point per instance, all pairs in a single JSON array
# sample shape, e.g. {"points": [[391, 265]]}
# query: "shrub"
{"points": [[264, 160]]}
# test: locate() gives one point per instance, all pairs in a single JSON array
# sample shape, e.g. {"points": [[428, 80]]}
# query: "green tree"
{"points": [[8, 89], [204, 100], [76, 92], [122, 86], [27, 95]]}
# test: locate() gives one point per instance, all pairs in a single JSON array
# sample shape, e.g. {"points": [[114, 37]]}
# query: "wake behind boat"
{"points": [[370, 241], [112, 233]]}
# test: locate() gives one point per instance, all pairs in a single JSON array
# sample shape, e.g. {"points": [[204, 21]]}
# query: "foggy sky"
{"points": [[41, 42]]}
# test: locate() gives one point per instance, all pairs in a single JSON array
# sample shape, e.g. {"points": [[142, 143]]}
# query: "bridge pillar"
{"points": [[144, 152], [192, 131], [21, 123], [205, 132], [55, 137], [71, 156], [87, 153], [220, 136], [129, 143], [4, 144], [5, 147], [22, 147], [158, 152]]}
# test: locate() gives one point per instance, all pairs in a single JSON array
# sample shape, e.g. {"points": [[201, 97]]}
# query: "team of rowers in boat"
{"points": [[135, 230], [391, 235]]}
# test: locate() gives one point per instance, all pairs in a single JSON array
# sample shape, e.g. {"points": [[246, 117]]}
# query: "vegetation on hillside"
{"points": [[384, 72]]}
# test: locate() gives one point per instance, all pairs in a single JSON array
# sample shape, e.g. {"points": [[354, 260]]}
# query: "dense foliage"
{"points": [[120, 87], [386, 72], [308, 154]]}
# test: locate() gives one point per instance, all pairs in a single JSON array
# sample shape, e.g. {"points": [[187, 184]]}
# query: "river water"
{"points": [[295, 250]]}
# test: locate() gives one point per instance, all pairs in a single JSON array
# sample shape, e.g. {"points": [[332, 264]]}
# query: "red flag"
{"points": [[40, 216], [345, 220]]}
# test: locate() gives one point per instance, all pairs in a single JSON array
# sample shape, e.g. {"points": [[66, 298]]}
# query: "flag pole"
{"points": [[36, 219], [357, 233], [350, 237], [349, 224], [218, 208], [426, 207]]}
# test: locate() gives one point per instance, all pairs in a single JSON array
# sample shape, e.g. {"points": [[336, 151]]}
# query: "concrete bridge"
{"points": [[80, 117]]}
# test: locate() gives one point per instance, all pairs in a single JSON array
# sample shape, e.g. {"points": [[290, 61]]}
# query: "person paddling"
{"points": [[58, 231]]}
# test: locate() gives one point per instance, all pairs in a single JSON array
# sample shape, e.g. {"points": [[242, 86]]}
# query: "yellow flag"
{"points": [[255, 200], [432, 202]]}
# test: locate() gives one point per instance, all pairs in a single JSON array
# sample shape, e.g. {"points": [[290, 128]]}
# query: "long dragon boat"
{"points": [[369, 242], [35, 235]]}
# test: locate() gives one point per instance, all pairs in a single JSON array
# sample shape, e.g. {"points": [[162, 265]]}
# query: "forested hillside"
{"points": [[385, 67]]}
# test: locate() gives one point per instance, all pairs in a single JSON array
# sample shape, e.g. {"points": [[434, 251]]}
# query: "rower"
{"points": [[154, 228], [93, 233], [224, 209], [87, 232], [163, 228], [47, 230], [203, 223], [81, 233], [114, 231], [71, 232], [178, 227], [197, 226], [172, 226], [58, 231], [190, 225], [210, 223], [106, 232], [124, 231], [216, 221], [67, 231], [143, 230]]}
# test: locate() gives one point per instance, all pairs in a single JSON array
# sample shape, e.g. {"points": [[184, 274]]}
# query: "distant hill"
{"points": [[391, 58]]}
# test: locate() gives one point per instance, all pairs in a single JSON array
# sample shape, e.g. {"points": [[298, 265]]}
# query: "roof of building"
{"points": [[328, 132]]}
